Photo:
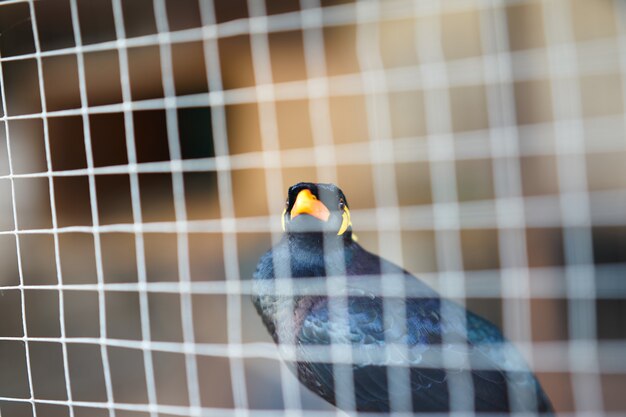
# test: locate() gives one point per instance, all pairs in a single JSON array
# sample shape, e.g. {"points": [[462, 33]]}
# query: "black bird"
{"points": [[318, 244]]}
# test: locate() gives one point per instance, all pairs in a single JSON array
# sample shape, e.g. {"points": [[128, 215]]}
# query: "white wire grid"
{"points": [[575, 208]]}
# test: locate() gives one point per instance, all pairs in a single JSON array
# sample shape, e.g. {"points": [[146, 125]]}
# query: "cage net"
{"points": [[146, 148]]}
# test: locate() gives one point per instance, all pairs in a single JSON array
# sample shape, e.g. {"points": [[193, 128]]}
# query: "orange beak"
{"points": [[307, 203]]}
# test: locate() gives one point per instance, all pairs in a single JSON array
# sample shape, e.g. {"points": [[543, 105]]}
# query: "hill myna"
{"points": [[440, 341]]}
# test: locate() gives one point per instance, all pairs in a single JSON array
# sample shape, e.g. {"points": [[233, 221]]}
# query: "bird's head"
{"points": [[316, 208]]}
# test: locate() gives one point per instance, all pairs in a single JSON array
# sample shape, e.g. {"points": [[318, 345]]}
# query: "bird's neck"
{"points": [[318, 242], [313, 253]]}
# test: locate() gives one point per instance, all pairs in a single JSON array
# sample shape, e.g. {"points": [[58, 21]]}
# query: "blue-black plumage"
{"points": [[442, 342]]}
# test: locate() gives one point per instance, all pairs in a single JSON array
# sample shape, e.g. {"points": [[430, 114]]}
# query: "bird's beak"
{"points": [[307, 203]]}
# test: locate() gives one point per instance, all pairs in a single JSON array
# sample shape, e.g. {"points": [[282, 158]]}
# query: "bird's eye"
{"points": [[342, 204], [287, 203]]}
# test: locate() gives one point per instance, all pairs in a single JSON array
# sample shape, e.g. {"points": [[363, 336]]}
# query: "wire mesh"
{"points": [[146, 148]]}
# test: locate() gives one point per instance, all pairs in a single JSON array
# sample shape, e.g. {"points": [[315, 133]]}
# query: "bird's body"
{"points": [[433, 330]]}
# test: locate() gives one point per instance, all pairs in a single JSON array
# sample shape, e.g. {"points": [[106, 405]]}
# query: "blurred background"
{"points": [[146, 148]]}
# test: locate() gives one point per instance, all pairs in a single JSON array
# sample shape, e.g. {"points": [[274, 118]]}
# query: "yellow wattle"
{"points": [[282, 219], [346, 222]]}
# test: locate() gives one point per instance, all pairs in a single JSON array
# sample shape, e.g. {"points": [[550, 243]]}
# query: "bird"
{"points": [[456, 359]]}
